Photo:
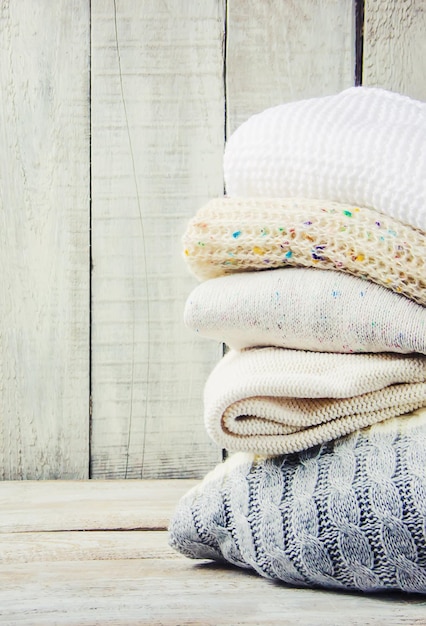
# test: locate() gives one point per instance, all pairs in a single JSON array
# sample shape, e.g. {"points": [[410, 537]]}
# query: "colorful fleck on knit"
{"points": [[275, 401], [349, 514], [244, 234], [364, 146], [305, 309]]}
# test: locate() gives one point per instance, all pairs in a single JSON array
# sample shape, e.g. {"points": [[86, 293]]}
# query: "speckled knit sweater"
{"points": [[305, 309], [230, 235]]}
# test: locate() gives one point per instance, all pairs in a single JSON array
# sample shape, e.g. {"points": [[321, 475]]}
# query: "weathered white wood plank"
{"points": [[395, 46], [88, 505], [157, 144], [44, 239], [45, 547], [171, 592], [127, 577], [281, 51]]}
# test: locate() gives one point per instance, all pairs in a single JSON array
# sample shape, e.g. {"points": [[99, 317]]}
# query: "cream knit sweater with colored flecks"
{"points": [[349, 514], [305, 309], [230, 235]]}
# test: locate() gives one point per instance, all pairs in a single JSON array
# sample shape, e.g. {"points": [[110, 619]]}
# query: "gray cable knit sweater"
{"points": [[350, 514]]}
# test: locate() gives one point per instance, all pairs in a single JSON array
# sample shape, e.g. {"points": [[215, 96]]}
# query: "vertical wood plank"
{"points": [[44, 231], [157, 146], [281, 51], [395, 46]]}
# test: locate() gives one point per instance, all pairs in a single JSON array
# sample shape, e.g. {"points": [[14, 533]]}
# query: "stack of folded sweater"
{"points": [[313, 273]]}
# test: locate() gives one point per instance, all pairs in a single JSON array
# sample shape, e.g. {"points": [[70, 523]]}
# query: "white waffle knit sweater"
{"points": [[305, 309], [275, 401], [363, 146]]}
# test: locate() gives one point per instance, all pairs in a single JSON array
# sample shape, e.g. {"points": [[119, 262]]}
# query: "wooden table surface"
{"points": [[96, 552]]}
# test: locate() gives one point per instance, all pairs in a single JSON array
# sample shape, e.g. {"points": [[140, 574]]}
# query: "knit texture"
{"points": [[348, 515], [307, 309], [363, 146], [230, 235], [275, 401]]}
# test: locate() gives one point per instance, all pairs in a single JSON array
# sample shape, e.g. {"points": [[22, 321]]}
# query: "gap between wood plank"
{"points": [[359, 41], [89, 460]]}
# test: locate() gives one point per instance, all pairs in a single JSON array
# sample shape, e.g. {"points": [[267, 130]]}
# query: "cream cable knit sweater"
{"points": [[348, 515], [276, 401], [230, 235], [305, 309], [363, 146]]}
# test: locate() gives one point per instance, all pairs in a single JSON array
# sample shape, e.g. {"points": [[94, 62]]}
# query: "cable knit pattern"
{"points": [[305, 309], [349, 514], [275, 401], [230, 235], [363, 146]]}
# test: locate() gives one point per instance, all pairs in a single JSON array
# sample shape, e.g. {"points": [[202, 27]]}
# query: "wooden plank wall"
{"points": [[157, 141], [44, 231], [282, 51], [395, 46], [114, 113]]}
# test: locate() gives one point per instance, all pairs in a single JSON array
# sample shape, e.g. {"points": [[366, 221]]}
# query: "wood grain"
{"points": [[282, 51], [44, 239], [157, 143], [176, 591], [104, 545], [395, 46], [52, 573], [48, 506]]}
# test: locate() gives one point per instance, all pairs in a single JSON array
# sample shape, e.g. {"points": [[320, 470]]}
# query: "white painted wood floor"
{"points": [[96, 552]]}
